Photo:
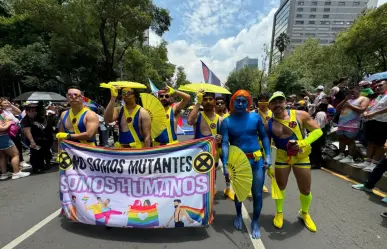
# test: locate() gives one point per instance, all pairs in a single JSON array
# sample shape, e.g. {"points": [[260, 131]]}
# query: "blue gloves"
{"points": [[267, 162]]}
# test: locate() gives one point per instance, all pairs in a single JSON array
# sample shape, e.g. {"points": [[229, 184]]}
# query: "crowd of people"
{"points": [[296, 125]]}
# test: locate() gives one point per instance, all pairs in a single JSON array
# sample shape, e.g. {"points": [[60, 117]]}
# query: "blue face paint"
{"points": [[240, 104]]}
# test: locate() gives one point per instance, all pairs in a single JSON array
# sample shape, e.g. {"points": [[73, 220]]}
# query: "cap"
{"points": [[301, 102], [320, 88], [277, 94], [364, 83]]}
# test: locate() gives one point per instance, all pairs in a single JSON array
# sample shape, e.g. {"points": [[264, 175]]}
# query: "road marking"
{"points": [[32, 230], [257, 243], [376, 192]]}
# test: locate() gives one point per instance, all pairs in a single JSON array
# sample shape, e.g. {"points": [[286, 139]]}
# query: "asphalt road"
{"points": [[345, 218]]}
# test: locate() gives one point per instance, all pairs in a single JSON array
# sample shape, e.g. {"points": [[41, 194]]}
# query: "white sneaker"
{"points": [[348, 159], [20, 174], [339, 157], [25, 165], [362, 165], [370, 168], [5, 176]]}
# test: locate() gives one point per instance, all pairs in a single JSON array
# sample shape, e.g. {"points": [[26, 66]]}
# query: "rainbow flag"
{"points": [[90, 103], [143, 216], [194, 213]]}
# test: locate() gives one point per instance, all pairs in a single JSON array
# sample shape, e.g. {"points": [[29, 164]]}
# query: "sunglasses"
{"points": [[127, 93], [162, 96], [73, 95]]}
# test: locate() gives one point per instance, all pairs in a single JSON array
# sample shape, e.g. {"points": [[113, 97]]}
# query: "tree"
{"points": [[181, 77], [246, 78], [281, 43], [105, 29]]}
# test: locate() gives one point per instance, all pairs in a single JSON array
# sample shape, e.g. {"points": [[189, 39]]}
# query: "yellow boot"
{"points": [[278, 220], [229, 193], [308, 221], [264, 189]]}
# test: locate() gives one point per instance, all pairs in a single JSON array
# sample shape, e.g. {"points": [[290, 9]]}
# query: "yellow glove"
{"points": [[62, 135], [313, 136], [171, 90], [270, 172], [113, 89], [199, 98]]}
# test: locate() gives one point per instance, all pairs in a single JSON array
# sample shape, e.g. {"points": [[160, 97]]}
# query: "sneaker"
{"points": [[384, 199], [5, 176], [278, 220], [384, 215], [20, 174], [370, 168], [339, 157], [308, 221], [362, 187], [362, 165], [348, 159], [25, 165]]}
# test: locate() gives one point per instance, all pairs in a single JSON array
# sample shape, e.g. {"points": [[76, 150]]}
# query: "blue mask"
{"points": [[240, 104]]}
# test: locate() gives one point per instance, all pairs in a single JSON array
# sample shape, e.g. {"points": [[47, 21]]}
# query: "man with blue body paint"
{"points": [[242, 129]]}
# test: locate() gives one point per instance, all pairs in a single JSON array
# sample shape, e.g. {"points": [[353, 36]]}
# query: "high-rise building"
{"points": [[247, 62], [319, 19]]}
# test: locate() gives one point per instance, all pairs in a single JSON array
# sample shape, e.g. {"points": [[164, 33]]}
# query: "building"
{"points": [[246, 62], [319, 19]]}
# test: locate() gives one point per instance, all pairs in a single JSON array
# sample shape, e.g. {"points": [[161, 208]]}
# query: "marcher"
{"points": [[293, 149], [133, 121], [244, 130]]}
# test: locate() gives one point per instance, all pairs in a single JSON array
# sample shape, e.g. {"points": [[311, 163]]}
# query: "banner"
{"points": [[169, 186]]}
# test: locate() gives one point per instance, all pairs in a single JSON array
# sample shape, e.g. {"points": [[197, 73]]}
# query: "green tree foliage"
{"points": [[50, 44], [181, 77], [281, 42], [246, 78]]}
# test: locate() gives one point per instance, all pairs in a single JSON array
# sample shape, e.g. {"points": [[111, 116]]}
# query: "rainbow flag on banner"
{"points": [[143, 216], [194, 213]]}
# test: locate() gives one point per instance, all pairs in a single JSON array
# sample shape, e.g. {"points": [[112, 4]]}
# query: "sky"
{"points": [[218, 32]]}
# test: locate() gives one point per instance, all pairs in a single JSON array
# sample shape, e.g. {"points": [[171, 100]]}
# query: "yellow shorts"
{"points": [[283, 161]]}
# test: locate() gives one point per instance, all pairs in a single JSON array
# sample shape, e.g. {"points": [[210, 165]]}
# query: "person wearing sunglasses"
{"points": [[79, 123], [220, 107], [134, 122], [172, 112]]}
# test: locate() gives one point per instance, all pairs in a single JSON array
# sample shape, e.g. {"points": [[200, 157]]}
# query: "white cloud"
{"points": [[222, 57]]}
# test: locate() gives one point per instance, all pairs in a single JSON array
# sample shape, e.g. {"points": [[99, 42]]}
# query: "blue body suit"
{"points": [[242, 129]]}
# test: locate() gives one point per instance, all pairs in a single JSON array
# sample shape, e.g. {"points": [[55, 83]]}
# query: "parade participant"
{"points": [[79, 123], [265, 113], [220, 107], [134, 122], [242, 129], [285, 128], [207, 123], [168, 136]]}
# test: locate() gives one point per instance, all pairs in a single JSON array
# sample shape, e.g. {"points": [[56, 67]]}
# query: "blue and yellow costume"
{"points": [[132, 137], [77, 121], [240, 129], [168, 136], [282, 158]]}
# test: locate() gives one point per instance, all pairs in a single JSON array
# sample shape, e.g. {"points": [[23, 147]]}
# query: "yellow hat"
{"points": [[301, 102], [277, 95]]}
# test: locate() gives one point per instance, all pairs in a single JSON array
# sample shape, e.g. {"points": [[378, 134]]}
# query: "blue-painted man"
{"points": [[242, 129]]}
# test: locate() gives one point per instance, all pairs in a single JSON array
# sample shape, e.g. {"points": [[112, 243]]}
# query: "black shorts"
{"points": [[376, 132]]}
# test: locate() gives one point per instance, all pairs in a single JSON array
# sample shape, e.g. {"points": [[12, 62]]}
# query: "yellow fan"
{"points": [[123, 84], [195, 87], [241, 175], [156, 111]]}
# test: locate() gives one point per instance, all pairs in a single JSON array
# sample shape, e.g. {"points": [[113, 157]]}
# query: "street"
{"points": [[345, 218]]}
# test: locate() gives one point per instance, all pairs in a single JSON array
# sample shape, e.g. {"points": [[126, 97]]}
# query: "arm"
{"points": [[225, 145], [146, 127], [193, 116], [382, 111], [311, 126], [27, 131], [92, 123], [60, 125], [263, 136], [5, 126], [15, 111], [341, 105], [185, 98], [363, 105], [111, 113]]}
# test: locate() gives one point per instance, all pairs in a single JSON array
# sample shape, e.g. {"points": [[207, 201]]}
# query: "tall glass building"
{"points": [[319, 19]]}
